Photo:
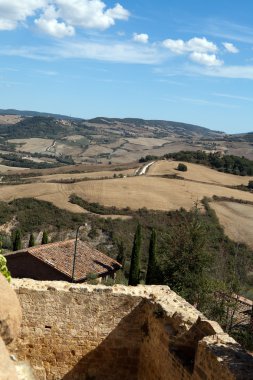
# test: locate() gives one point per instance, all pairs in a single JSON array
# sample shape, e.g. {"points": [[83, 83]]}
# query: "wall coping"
{"points": [[172, 305]]}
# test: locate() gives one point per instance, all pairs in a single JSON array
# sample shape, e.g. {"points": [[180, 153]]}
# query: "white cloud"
{"points": [[7, 24], [230, 47], [233, 72], [199, 45], [15, 11], [90, 14], [236, 97], [142, 37], [118, 12], [205, 59], [113, 52], [176, 46], [65, 15], [200, 50], [54, 27], [48, 23]]}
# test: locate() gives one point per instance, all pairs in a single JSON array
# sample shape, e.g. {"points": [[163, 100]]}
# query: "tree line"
{"points": [[17, 240], [206, 279], [224, 163]]}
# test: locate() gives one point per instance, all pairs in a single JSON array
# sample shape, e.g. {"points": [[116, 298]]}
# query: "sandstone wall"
{"points": [[10, 320], [89, 332]]}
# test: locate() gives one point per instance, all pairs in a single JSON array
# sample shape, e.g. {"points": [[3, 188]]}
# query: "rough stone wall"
{"points": [[10, 321], [89, 332]]}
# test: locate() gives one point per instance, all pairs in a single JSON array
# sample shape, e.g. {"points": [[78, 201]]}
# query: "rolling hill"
{"points": [[36, 140]]}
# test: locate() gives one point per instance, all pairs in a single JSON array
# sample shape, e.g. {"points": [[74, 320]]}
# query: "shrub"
{"points": [[250, 185], [3, 266], [182, 167]]}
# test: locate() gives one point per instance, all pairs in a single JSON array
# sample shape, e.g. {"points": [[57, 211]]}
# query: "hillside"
{"points": [[39, 140]]}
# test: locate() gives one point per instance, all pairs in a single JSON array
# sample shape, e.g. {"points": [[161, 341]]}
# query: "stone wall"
{"points": [[87, 332], [10, 321]]}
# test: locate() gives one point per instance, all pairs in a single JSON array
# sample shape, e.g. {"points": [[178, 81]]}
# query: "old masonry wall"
{"points": [[86, 332]]}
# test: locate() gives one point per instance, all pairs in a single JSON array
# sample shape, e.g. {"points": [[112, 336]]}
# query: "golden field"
{"points": [[237, 220], [150, 191]]}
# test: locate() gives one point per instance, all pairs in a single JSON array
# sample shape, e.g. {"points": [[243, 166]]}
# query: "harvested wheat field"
{"points": [[159, 193], [32, 145], [134, 192], [91, 175], [237, 220], [55, 193], [4, 169], [197, 172], [147, 142]]}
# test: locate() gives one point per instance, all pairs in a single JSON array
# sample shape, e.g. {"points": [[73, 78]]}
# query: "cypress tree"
{"points": [[16, 241], [31, 241], [152, 264], [121, 254], [44, 238], [134, 273]]}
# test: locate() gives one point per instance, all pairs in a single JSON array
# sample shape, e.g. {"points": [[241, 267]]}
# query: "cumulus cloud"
{"points": [[48, 23], [205, 59], [15, 11], [230, 47], [59, 18], [89, 14], [54, 27], [142, 37], [199, 50], [199, 45]]}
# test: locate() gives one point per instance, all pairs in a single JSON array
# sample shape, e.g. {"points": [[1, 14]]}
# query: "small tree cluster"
{"points": [[250, 185], [152, 276], [182, 167]]}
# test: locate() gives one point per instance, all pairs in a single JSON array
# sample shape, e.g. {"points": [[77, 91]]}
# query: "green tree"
{"points": [[250, 185], [31, 241], [186, 266], [3, 266], [182, 167], [121, 257], [44, 238], [134, 274], [17, 241], [152, 271]]}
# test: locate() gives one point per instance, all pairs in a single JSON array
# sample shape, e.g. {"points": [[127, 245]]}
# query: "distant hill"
{"points": [[153, 123], [111, 121], [48, 139], [35, 113]]}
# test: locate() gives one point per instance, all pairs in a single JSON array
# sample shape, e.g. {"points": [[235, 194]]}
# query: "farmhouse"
{"points": [[55, 261]]}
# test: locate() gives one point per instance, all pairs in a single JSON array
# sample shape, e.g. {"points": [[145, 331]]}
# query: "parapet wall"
{"points": [[87, 332]]}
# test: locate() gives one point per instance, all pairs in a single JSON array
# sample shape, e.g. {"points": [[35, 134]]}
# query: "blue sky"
{"points": [[184, 60]]}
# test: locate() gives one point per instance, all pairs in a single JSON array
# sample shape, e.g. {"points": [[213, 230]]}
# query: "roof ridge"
{"points": [[56, 243]]}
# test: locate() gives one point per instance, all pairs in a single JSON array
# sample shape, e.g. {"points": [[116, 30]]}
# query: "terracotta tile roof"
{"points": [[60, 256]]}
